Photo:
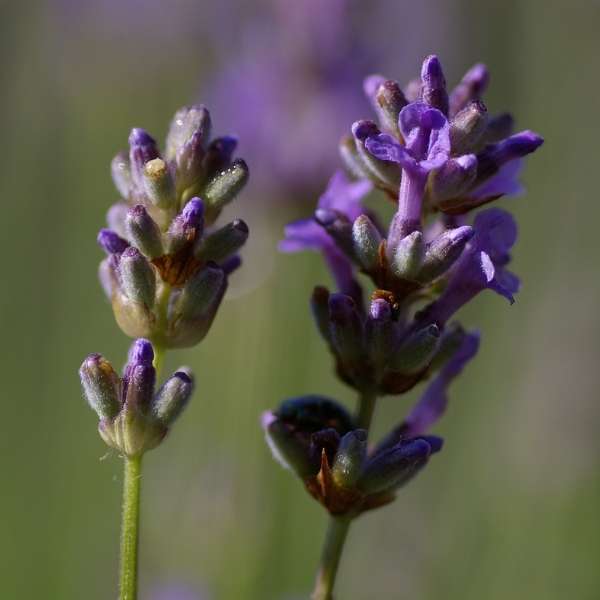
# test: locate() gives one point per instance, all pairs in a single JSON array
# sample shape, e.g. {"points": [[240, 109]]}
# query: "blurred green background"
{"points": [[508, 510]]}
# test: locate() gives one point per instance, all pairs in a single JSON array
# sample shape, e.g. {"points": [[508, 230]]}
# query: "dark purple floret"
{"points": [[141, 353], [111, 242], [193, 213]]}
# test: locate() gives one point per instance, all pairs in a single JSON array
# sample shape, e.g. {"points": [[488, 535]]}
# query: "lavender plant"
{"points": [[439, 156], [166, 273]]}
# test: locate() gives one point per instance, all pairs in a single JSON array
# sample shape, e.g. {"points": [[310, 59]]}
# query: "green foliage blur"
{"points": [[509, 509]]}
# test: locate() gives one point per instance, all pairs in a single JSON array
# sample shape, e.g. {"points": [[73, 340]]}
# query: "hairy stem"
{"points": [[337, 531], [129, 528]]}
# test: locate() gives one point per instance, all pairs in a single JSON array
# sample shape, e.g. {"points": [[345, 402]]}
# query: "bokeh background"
{"points": [[508, 510]]}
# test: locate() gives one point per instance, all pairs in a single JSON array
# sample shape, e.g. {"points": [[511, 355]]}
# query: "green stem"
{"points": [[337, 530], [366, 408], [159, 357], [129, 528], [330, 558]]}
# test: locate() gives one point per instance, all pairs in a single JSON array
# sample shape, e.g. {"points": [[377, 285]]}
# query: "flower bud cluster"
{"points": [[133, 417], [168, 264], [318, 439]]}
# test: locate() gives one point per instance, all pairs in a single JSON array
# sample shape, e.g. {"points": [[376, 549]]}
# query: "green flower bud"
{"points": [[173, 397], [201, 293], [222, 243], [408, 256], [159, 184], [415, 353], [366, 241], [349, 458], [143, 232], [226, 185], [138, 279], [467, 128], [101, 386]]}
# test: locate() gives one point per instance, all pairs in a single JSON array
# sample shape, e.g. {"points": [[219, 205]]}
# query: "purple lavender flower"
{"points": [[341, 200], [480, 266], [133, 418], [434, 400]]}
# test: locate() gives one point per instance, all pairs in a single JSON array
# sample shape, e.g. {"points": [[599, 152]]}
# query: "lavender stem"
{"points": [[366, 408], [130, 528], [337, 531], [330, 559]]}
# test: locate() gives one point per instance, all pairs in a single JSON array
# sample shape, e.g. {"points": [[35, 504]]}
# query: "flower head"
{"points": [[317, 438], [168, 264], [133, 417]]}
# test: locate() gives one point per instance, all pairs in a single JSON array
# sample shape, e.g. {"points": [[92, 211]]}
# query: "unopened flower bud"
{"points": [[100, 385], [366, 241], [416, 352], [142, 148], [389, 101], [223, 243], [351, 159], [393, 467], [173, 397], [346, 327], [434, 84], [140, 375], [408, 256], [188, 122], [110, 242], [186, 227], [496, 155], [121, 174], [226, 185], [159, 184], [443, 252], [383, 173], [468, 127], [454, 178], [138, 279], [143, 232], [381, 332], [471, 87], [201, 292], [349, 458]]}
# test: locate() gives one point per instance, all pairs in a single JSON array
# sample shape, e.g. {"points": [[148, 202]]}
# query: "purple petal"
{"points": [[304, 234], [504, 182], [434, 400], [386, 147], [344, 195]]}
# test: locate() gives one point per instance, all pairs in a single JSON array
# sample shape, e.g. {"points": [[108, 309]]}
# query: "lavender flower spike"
{"points": [[481, 266], [165, 247]]}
